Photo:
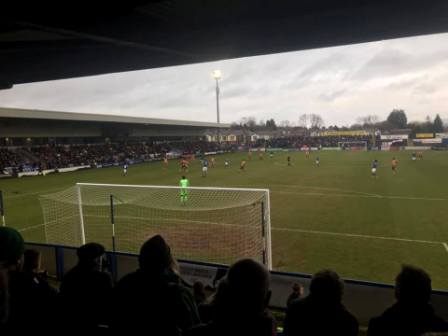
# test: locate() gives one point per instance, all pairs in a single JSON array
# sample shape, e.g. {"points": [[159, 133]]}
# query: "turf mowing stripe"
{"points": [[31, 193]]}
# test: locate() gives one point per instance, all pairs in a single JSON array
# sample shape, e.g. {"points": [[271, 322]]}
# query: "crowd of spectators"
{"points": [[318, 142], [155, 300], [9, 158], [30, 158], [62, 156]]}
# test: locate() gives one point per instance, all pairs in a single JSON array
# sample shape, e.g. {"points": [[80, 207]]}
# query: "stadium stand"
{"points": [[63, 156], [310, 141]]}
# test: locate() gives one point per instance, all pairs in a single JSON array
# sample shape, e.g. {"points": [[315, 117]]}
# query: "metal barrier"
{"points": [[364, 299]]}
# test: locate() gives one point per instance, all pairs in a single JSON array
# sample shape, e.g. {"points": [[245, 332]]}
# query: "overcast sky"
{"points": [[339, 83]]}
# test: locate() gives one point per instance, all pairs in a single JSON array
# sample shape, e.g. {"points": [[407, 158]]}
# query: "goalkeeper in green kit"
{"points": [[184, 184]]}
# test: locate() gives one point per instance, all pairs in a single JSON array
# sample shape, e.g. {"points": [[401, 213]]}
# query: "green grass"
{"points": [[308, 205]]}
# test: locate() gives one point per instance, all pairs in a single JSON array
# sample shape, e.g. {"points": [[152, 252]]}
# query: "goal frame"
{"points": [[364, 144], [266, 220]]}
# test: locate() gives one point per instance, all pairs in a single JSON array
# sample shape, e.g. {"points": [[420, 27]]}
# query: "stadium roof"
{"points": [[103, 118], [46, 40]]}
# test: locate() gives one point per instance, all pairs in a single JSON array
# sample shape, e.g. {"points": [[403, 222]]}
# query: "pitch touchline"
{"points": [[358, 236], [362, 196], [348, 193], [322, 188]]}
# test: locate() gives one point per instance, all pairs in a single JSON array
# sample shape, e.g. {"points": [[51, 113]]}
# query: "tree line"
{"points": [[396, 119]]}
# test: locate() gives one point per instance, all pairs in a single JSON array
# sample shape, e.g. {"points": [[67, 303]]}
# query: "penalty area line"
{"points": [[359, 196], [445, 245], [360, 236]]}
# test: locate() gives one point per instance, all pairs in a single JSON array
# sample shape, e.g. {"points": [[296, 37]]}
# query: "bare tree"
{"points": [[285, 123], [304, 120], [251, 123], [235, 125], [316, 121], [368, 120], [243, 121]]}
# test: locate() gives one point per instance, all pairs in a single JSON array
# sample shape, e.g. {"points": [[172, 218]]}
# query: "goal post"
{"points": [[210, 224], [353, 145]]}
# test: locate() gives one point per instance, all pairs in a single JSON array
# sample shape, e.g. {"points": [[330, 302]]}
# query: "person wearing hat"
{"points": [[85, 290], [11, 252], [152, 298]]}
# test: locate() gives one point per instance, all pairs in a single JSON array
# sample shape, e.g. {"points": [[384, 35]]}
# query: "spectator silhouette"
{"points": [[33, 300], [297, 293], [411, 314], [207, 309], [240, 306], [11, 252], [85, 290], [199, 292], [321, 312], [152, 298]]}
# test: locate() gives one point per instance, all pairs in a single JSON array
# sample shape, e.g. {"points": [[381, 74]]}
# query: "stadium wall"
{"points": [[364, 299]]}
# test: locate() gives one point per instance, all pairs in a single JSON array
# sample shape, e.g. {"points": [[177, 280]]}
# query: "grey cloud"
{"points": [[332, 62], [424, 89], [406, 83], [331, 96], [386, 62], [235, 91]]}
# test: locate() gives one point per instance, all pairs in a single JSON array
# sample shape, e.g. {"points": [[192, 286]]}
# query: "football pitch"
{"points": [[334, 216]]}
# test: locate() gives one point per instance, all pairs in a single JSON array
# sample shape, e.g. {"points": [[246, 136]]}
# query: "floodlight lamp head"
{"points": [[217, 74]]}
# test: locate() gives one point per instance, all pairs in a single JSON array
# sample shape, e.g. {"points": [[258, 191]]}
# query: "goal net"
{"points": [[219, 225], [353, 145]]}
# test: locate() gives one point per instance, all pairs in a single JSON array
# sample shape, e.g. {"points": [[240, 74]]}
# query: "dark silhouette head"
{"points": [[183, 177], [11, 246], [31, 260], [155, 255], [198, 287], [412, 286], [297, 288], [247, 287], [90, 254], [327, 286]]}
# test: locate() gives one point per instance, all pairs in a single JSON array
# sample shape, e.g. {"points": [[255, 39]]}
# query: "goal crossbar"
{"points": [[212, 224], [168, 187]]}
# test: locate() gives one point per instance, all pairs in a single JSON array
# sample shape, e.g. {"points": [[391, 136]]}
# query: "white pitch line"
{"points": [[293, 230], [361, 196], [31, 227], [445, 245], [359, 236], [353, 193], [324, 188]]}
